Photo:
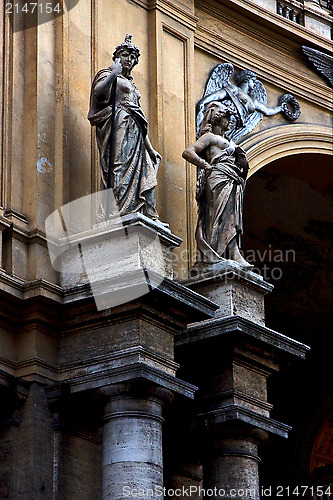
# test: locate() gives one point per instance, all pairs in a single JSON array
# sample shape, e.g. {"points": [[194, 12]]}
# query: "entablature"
{"points": [[267, 23]]}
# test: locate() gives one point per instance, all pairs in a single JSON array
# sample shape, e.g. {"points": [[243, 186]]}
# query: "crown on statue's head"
{"points": [[127, 45]]}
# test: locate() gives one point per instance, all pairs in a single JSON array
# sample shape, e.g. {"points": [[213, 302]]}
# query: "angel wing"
{"points": [[259, 92], [252, 119], [219, 77], [322, 62]]}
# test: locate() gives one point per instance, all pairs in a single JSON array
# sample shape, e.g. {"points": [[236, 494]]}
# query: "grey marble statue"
{"points": [[128, 162], [247, 98], [221, 187]]}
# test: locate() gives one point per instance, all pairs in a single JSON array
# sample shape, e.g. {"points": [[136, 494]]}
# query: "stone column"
{"points": [[231, 464], [230, 359], [132, 441], [127, 353]]}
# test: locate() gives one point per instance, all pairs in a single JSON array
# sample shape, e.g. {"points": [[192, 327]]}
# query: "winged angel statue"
{"points": [[246, 98]]}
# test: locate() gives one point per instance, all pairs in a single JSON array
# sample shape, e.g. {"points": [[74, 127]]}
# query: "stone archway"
{"points": [[266, 146], [287, 228]]}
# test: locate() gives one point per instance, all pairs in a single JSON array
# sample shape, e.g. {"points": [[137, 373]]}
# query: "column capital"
{"points": [[137, 390]]}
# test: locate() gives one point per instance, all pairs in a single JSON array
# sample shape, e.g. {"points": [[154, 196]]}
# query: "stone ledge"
{"points": [[135, 372], [118, 359], [148, 226], [236, 325], [238, 398], [228, 272], [22, 289], [167, 289], [234, 413]]}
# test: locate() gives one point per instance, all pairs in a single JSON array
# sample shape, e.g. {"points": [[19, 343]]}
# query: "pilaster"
{"points": [[13, 395], [171, 48]]}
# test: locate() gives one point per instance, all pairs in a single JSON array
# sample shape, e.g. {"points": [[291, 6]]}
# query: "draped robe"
{"points": [[133, 176], [220, 208]]}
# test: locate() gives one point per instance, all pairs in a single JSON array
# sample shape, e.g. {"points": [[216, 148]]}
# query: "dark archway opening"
{"points": [[288, 227]]}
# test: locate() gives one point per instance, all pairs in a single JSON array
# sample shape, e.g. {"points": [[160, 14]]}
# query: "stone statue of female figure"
{"points": [[220, 198], [121, 133]]}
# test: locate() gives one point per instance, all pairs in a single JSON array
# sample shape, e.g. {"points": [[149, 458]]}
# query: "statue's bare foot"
{"points": [[245, 265], [241, 261], [236, 256]]}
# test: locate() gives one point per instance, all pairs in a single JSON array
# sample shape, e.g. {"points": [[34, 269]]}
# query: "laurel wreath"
{"points": [[288, 101]]}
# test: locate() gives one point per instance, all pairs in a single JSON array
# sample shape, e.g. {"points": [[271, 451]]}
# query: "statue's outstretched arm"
{"points": [[267, 111]]}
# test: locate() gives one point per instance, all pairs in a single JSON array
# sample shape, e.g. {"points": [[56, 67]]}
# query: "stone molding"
{"points": [[127, 356], [235, 325], [170, 9], [236, 414], [276, 23], [168, 289], [271, 144], [230, 272], [132, 373]]}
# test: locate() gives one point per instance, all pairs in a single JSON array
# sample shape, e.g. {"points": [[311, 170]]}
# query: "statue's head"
{"points": [[244, 76], [127, 46], [213, 115], [220, 111]]}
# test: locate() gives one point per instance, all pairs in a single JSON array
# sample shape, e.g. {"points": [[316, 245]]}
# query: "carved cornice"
{"points": [[142, 3], [126, 374], [176, 12], [235, 413], [117, 359], [230, 273], [237, 325], [286, 78], [277, 25], [235, 394], [36, 368], [34, 236], [24, 290], [32, 369]]}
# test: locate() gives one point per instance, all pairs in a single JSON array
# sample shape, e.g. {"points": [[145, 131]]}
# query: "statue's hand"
{"points": [[117, 67], [241, 158], [155, 157], [205, 166]]}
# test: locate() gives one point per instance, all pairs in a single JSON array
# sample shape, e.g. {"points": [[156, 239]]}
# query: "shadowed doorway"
{"points": [[288, 237]]}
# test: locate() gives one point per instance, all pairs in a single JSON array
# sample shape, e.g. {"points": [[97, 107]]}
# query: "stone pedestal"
{"points": [[132, 441], [126, 354], [230, 358], [115, 247], [108, 256], [237, 292]]}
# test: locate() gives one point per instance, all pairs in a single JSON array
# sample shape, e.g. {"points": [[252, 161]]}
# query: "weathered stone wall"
{"points": [[48, 147]]}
